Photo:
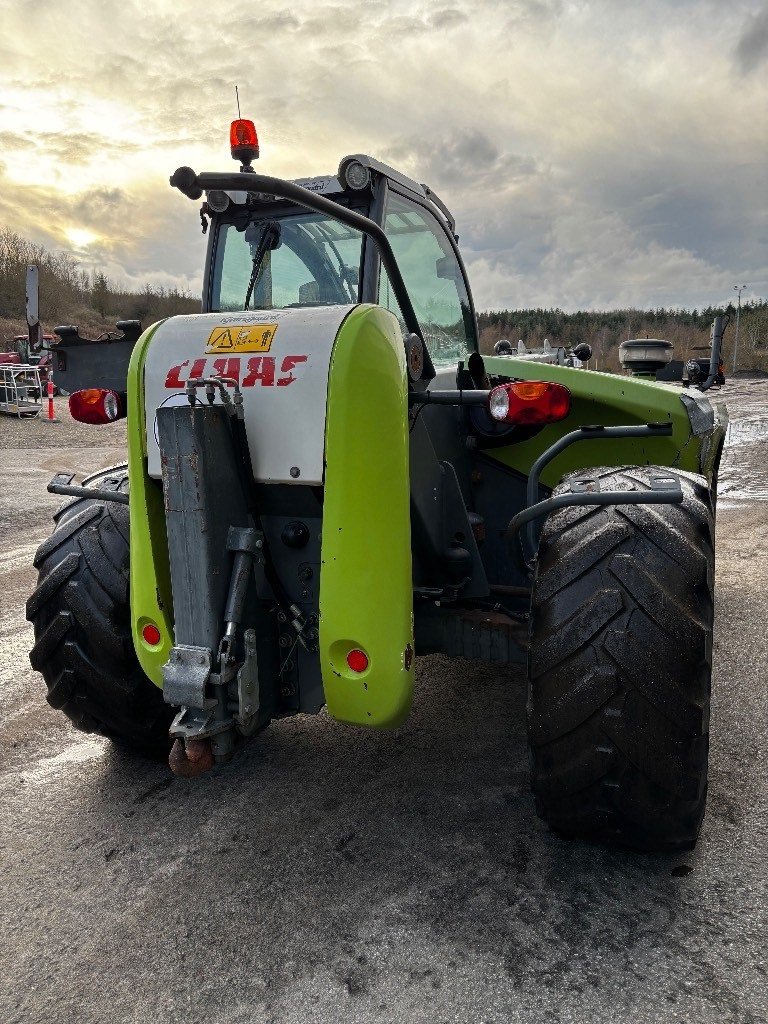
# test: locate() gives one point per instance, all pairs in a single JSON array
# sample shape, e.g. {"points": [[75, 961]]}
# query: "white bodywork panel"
{"points": [[283, 375], [327, 184]]}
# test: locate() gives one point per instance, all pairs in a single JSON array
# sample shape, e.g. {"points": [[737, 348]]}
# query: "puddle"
{"points": [[744, 469], [743, 472], [751, 430], [742, 480], [739, 496]]}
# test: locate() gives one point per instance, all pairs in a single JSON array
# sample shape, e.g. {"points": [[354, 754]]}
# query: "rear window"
{"points": [[316, 264]]}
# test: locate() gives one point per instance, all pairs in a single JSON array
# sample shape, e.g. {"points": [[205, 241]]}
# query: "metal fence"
{"points": [[21, 392]]}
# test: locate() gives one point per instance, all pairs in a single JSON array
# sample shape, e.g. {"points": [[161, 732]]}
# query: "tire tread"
{"points": [[81, 617], [620, 666]]}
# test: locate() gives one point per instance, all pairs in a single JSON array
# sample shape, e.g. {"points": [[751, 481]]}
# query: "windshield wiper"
{"points": [[270, 239]]}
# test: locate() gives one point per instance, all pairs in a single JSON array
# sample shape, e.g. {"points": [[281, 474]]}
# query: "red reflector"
{"points": [[96, 405], [151, 634], [243, 140], [357, 660], [529, 402]]}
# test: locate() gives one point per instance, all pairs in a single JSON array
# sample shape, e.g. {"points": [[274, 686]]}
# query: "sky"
{"points": [[596, 154]]}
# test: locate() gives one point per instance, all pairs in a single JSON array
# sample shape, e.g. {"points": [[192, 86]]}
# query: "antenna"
{"points": [[237, 97]]}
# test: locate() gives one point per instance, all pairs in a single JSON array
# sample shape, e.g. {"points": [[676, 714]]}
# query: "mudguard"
{"points": [[365, 581], [150, 582], [698, 429]]}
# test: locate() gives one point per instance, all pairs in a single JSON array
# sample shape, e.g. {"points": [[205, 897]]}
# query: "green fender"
{"points": [[610, 400], [365, 579], [150, 582]]}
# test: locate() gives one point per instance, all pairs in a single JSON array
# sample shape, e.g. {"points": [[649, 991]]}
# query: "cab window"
{"points": [[433, 278], [316, 264]]}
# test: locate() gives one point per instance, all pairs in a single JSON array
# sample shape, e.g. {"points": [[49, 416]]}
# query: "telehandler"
{"points": [[328, 479]]}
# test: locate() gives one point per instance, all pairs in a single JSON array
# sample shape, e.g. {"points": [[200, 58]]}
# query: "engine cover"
{"points": [[280, 359]]}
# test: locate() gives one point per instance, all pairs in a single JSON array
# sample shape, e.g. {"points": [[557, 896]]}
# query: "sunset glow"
{"points": [[594, 154], [81, 238]]}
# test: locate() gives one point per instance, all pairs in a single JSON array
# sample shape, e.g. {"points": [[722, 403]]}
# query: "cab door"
{"points": [[435, 279], [444, 546]]}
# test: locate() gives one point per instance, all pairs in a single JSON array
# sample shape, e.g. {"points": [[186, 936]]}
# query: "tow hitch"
{"points": [[212, 673], [191, 675]]}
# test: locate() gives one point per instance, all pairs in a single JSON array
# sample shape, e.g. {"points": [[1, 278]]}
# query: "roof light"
{"points": [[96, 405], [356, 175], [357, 660], [243, 141], [217, 200], [529, 402]]}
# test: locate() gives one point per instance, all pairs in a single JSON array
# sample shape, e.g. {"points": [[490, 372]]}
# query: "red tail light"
{"points": [[96, 405], [529, 402], [151, 634], [357, 660], [243, 141]]}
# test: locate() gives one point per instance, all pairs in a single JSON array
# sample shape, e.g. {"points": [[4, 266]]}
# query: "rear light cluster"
{"points": [[529, 402], [96, 405]]}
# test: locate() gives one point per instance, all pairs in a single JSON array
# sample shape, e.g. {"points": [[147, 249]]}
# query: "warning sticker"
{"points": [[243, 338]]}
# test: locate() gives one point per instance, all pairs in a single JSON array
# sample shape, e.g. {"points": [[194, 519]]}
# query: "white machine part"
{"points": [[327, 184], [546, 354], [280, 359]]}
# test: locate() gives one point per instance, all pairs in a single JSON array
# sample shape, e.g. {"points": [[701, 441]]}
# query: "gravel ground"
{"points": [[33, 450], [331, 874], [37, 432]]}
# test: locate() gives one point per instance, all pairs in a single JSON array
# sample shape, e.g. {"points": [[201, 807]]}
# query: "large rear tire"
{"points": [[620, 666], [81, 616]]}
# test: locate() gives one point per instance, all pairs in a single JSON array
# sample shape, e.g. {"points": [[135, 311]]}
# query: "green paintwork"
{"points": [[612, 401], [365, 581], [150, 575]]}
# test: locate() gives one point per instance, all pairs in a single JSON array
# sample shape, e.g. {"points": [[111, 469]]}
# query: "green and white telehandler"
{"points": [[326, 479]]}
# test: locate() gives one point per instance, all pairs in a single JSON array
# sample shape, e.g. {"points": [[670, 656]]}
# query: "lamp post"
{"points": [[739, 289]]}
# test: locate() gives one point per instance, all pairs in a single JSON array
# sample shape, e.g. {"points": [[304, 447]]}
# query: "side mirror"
{"points": [[583, 352], [502, 348]]}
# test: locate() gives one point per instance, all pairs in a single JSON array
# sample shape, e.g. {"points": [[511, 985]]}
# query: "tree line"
{"points": [[687, 329], [70, 294]]}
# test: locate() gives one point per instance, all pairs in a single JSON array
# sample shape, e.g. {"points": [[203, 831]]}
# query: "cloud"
{"points": [[752, 47], [466, 158], [11, 141], [621, 272], [590, 151], [449, 17]]}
